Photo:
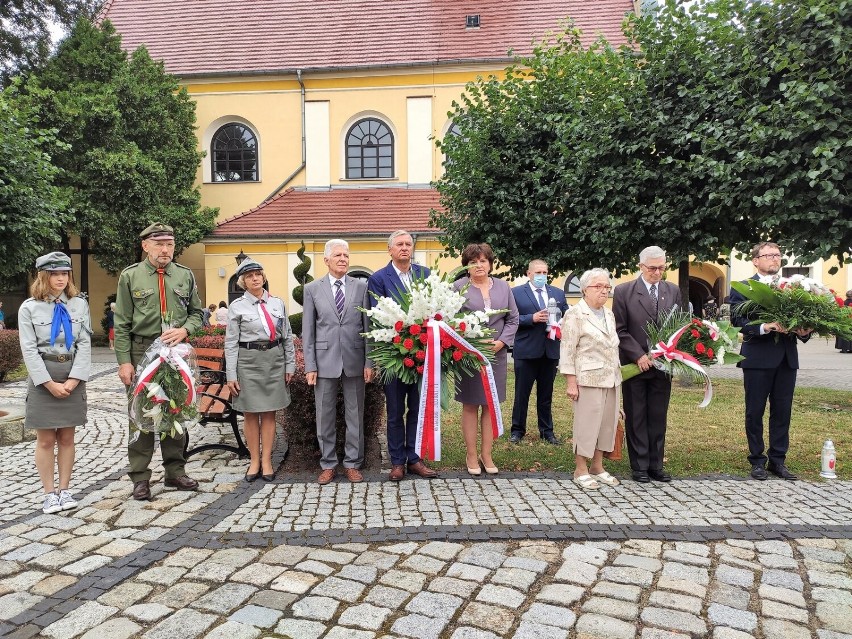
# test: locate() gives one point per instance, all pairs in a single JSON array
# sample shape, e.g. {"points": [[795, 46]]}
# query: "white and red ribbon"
{"points": [[428, 443], [554, 331], [668, 351], [177, 362]]}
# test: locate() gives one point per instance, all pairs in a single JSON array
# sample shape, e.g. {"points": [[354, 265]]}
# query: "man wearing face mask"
{"points": [[535, 354]]}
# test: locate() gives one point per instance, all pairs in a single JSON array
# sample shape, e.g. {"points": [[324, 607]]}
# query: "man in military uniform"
{"points": [[151, 292]]}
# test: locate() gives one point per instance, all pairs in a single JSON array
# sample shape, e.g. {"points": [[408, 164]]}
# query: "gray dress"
{"points": [[469, 389], [259, 372], [35, 318]]}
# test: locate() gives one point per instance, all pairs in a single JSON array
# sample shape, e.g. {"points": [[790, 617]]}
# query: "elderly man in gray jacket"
{"points": [[336, 352]]}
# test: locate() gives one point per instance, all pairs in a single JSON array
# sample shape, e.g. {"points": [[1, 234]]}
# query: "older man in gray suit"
{"points": [[336, 352]]}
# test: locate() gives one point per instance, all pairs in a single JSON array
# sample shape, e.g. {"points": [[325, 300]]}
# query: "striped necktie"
{"points": [[338, 297]]}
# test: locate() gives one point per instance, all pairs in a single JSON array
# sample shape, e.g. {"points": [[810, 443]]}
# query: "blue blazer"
{"points": [[531, 339], [763, 351], [386, 283]]}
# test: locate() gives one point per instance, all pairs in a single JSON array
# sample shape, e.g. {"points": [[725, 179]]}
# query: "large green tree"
{"points": [[29, 202], [129, 154], [25, 30], [688, 138]]}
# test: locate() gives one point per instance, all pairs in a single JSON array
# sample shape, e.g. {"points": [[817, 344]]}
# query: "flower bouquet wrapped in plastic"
{"points": [[425, 337], [162, 397], [682, 345], [797, 302]]}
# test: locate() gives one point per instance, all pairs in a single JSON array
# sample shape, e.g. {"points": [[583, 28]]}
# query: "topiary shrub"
{"points": [[299, 421], [10, 352], [303, 276]]}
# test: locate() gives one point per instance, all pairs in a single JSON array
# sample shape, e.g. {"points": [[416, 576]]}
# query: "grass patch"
{"points": [[16, 375], [699, 441]]}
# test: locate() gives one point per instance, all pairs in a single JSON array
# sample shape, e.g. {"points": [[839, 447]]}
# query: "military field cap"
{"points": [[158, 231], [56, 261], [247, 266]]}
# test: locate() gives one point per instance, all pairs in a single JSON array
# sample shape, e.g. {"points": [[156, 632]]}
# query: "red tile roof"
{"points": [[200, 37], [333, 213]]}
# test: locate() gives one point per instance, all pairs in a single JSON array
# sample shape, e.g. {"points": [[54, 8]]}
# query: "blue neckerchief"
{"points": [[61, 320]]}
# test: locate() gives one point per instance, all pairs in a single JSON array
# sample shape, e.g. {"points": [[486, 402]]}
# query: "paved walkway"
{"points": [[521, 555]]}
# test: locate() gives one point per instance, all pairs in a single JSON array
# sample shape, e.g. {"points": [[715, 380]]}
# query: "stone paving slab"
{"points": [[521, 555]]}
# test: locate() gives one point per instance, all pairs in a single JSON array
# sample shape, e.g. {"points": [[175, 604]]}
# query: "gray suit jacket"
{"points": [[333, 345], [633, 309]]}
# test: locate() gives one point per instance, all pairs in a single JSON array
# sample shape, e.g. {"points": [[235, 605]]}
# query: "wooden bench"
{"points": [[215, 402]]}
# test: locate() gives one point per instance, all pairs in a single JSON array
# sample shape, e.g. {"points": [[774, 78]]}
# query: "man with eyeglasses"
{"points": [[646, 397], [769, 373]]}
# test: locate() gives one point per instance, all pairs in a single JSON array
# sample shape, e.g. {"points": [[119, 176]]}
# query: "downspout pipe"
{"points": [[302, 166]]}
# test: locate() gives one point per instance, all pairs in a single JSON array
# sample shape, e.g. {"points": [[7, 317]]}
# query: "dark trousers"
{"points": [[540, 372], [646, 407], [776, 385], [402, 426]]}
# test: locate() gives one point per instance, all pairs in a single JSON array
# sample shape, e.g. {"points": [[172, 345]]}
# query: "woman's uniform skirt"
{"points": [[43, 410], [261, 378]]}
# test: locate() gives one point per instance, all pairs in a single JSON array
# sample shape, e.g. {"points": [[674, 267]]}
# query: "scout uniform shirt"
{"points": [[244, 325], [35, 318], [137, 304]]}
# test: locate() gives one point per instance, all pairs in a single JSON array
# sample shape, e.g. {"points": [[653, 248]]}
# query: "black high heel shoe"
{"points": [[250, 477], [268, 477]]}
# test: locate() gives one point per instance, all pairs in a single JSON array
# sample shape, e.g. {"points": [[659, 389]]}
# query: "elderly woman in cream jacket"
{"points": [[589, 360]]}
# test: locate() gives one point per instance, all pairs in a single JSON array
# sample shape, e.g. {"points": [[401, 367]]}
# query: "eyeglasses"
{"points": [[771, 256], [654, 269], [600, 286]]}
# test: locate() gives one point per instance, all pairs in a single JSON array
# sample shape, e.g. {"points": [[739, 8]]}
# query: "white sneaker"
{"points": [[66, 500], [51, 504]]}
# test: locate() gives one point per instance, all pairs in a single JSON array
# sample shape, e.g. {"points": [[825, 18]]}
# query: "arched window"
{"points": [[369, 150], [572, 286], [453, 130], [234, 154]]}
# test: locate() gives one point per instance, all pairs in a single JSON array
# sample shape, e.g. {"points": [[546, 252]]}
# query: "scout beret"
{"points": [[158, 231], [248, 265], [56, 261]]}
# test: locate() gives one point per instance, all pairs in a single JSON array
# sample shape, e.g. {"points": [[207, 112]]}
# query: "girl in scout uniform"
{"points": [[259, 361], [55, 334]]}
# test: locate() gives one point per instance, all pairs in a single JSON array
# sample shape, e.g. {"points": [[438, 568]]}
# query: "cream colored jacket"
{"points": [[589, 347]]}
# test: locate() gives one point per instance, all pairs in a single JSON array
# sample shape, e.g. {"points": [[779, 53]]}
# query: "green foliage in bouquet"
{"points": [[793, 307], [707, 342]]}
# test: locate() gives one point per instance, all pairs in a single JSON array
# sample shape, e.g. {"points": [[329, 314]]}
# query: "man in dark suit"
{"points": [[535, 356], [335, 354], [646, 396], [392, 281], [769, 372]]}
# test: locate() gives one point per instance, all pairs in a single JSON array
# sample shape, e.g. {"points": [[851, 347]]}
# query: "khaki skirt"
{"points": [[261, 378], [43, 410]]}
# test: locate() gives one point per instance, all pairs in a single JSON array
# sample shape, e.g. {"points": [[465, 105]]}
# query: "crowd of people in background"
{"points": [[594, 342]]}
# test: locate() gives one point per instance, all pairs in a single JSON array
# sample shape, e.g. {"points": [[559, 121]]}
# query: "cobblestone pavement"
{"points": [[522, 555]]}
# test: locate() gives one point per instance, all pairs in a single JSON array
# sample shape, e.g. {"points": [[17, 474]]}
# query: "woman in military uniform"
{"points": [[260, 361], [55, 334]]}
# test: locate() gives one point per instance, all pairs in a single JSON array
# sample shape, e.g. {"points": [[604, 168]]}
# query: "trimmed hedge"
{"points": [[10, 352]]}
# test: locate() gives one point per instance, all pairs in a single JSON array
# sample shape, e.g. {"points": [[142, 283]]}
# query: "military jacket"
{"points": [[137, 304], [35, 319], [244, 325]]}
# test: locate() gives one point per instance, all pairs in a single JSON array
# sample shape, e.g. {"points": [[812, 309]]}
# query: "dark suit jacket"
{"points": [[386, 283], [633, 309], [763, 351], [531, 339]]}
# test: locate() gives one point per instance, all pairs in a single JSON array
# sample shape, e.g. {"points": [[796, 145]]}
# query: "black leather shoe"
{"points": [[659, 475], [250, 477], [783, 472], [515, 439], [142, 490], [268, 477], [553, 440], [759, 473], [182, 483], [641, 476]]}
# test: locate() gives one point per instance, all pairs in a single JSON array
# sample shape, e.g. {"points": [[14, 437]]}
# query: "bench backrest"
{"points": [[213, 359]]}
